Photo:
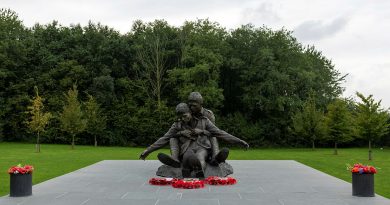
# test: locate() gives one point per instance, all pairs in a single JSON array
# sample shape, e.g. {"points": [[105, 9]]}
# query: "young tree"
{"points": [[339, 123], [71, 117], [152, 43], [39, 119], [309, 123], [96, 122], [371, 120]]}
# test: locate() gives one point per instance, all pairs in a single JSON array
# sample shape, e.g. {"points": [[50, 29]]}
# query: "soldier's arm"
{"points": [[212, 117], [220, 134], [161, 142]]}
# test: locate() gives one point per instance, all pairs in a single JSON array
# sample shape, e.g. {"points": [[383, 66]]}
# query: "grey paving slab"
{"points": [[271, 182], [189, 202], [121, 202], [265, 201]]}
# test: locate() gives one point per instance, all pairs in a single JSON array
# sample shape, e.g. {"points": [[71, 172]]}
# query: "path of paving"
{"points": [[269, 182]]}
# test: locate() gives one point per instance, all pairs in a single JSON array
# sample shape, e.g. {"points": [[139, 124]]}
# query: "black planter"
{"points": [[363, 185], [20, 185]]}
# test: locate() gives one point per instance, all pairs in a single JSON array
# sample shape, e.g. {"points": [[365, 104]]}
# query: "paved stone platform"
{"points": [[112, 182]]}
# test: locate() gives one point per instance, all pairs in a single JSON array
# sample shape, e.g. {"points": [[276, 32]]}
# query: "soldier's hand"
{"points": [[186, 133], [245, 144], [143, 155], [197, 131]]}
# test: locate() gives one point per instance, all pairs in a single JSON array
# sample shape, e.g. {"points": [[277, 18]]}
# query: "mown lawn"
{"points": [[56, 160]]}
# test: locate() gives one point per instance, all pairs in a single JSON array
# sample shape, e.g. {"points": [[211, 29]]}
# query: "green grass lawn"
{"points": [[56, 160]]}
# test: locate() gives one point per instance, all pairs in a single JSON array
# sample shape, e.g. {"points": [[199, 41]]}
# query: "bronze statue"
{"points": [[192, 135], [195, 102]]}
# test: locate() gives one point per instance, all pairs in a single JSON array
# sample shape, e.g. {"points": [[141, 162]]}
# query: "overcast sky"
{"points": [[354, 34]]}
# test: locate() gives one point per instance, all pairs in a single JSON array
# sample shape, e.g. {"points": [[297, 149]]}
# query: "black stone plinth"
{"points": [[363, 185], [20, 185]]}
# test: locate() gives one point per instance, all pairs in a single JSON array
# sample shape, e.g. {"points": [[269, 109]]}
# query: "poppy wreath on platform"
{"points": [[362, 169], [19, 169], [162, 181], [188, 184], [221, 180]]}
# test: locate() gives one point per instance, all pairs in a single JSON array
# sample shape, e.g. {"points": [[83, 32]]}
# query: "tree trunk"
{"points": [[95, 141], [158, 95], [312, 145], [38, 146], [72, 141], [335, 149], [369, 150], [159, 73]]}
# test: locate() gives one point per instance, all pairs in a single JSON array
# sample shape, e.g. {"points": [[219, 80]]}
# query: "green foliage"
{"points": [[371, 120], [71, 118], [256, 76], [241, 127], [339, 122], [268, 75], [151, 122], [14, 81], [201, 56], [39, 119], [309, 122], [96, 121], [154, 46]]}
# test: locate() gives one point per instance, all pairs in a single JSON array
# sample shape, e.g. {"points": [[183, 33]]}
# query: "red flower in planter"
{"points": [[362, 169], [19, 169], [372, 170], [355, 169]]}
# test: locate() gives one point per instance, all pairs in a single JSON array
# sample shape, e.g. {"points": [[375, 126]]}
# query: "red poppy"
{"points": [[161, 181], [188, 184], [212, 180]]}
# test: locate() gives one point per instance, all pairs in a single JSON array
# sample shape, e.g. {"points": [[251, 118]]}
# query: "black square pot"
{"points": [[363, 185], [20, 185]]}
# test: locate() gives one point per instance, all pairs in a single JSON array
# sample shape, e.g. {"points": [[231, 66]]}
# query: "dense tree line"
{"points": [[255, 80]]}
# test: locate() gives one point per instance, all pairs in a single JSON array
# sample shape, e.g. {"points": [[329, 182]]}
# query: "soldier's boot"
{"points": [[198, 167], [166, 159], [192, 163], [172, 160], [186, 173], [199, 173], [220, 157]]}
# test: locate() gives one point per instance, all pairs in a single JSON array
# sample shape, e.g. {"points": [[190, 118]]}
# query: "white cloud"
{"points": [[316, 30], [265, 13]]}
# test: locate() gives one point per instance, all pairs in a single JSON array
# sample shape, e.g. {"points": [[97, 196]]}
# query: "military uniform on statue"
{"points": [[193, 142]]}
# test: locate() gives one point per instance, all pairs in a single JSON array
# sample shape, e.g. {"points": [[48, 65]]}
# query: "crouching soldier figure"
{"points": [[193, 134]]}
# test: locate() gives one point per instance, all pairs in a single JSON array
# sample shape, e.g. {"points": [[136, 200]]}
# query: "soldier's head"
{"points": [[183, 112], [195, 101]]}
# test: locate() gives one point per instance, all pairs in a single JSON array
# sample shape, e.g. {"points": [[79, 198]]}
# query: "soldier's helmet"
{"points": [[195, 97], [182, 108]]}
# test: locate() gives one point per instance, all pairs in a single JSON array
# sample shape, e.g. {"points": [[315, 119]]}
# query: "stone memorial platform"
{"points": [[270, 182]]}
